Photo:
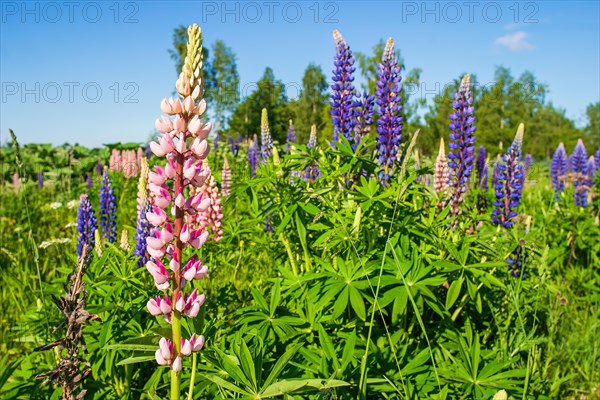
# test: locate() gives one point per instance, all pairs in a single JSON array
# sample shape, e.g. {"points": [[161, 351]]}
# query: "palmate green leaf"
{"points": [[231, 365], [357, 303], [280, 364], [328, 347], [247, 364], [453, 293]]}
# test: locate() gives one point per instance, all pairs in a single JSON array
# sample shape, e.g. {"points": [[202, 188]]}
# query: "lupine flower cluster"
{"points": [[16, 182], [86, 224], [363, 112], [509, 186], [342, 91], [209, 220], [291, 137], [253, 156], [528, 162], [99, 168], [495, 171], [40, 180], [558, 170], [440, 174], [89, 182], [597, 161], [462, 154], [225, 178], [312, 171], [143, 228], [126, 161], [266, 143], [183, 142], [217, 138], [579, 174], [480, 164], [234, 144], [517, 261], [483, 179], [108, 209], [591, 171], [389, 122]]}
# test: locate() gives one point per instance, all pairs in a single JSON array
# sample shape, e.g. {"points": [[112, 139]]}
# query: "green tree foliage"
{"points": [[592, 130], [269, 94], [499, 108], [222, 89], [309, 108]]}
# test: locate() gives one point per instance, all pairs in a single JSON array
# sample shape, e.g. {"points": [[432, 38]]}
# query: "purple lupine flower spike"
{"points": [[89, 182], [517, 262], [558, 170], [528, 162], [291, 137], [99, 168], [266, 142], [342, 91], [363, 111], [579, 172], [312, 171], [495, 171], [143, 229], [40, 180], [108, 209], [217, 138], [389, 123], [462, 154], [597, 161], [86, 224], [509, 186], [483, 180], [480, 164], [253, 156], [591, 171]]}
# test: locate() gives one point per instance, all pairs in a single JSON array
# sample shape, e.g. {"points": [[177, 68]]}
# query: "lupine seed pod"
{"points": [[225, 178], [86, 224], [579, 174], [108, 209], [440, 177], [342, 91], [291, 138], [509, 186], [266, 143], [462, 149], [389, 122], [558, 170]]}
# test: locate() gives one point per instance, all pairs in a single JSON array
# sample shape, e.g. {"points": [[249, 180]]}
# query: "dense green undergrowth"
{"points": [[360, 292]]}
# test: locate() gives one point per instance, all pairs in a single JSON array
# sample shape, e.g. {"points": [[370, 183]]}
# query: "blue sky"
{"points": [[91, 72]]}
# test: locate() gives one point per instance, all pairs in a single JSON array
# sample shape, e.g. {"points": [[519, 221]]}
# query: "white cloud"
{"points": [[514, 41]]}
